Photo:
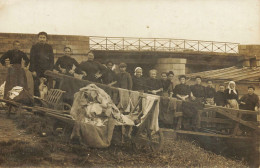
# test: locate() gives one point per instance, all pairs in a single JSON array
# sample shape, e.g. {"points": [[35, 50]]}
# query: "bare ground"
{"points": [[22, 144]]}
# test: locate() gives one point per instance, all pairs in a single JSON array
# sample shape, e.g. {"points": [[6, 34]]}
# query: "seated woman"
{"points": [[16, 75], [182, 91], [154, 86], [166, 84], [231, 96], [139, 82]]}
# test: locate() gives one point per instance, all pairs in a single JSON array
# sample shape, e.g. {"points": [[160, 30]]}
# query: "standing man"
{"points": [[210, 92], [94, 70], [41, 59], [220, 96], [250, 101], [16, 75]]}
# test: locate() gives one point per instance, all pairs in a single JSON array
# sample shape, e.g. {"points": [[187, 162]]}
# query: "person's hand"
{"points": [[154, 92], [242, 103], [71, 71], [193, 97], [34, 74], [98, 75], [84, 73], [256, 108], [54, 70], [63, 70]]}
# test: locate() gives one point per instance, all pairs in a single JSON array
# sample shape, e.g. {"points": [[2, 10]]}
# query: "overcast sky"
{"points": [[216, 20]]}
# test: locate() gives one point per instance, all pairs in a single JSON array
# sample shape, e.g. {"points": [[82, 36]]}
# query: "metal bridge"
{"points": [[160, 44]]}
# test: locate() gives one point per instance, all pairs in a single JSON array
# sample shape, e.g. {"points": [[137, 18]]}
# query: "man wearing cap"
{"points": [[250, 101], [124, 78]]}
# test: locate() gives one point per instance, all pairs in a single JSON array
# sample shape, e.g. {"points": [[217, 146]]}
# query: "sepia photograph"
{"points": [[130, 84]]}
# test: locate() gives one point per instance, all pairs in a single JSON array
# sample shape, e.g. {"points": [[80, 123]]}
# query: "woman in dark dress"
{"points": [[139, 82], [154, 86], [16, 75], [182, 91]]}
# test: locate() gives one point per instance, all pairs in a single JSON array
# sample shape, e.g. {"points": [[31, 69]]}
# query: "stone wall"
{"points": [[79, 44], [251, 54]]}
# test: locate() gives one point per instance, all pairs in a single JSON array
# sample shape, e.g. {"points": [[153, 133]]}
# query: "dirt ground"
{"points": [[23, 144]]}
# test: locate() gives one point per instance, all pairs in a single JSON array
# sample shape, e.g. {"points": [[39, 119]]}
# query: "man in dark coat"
{"points": [[41, 59], [220, 96], [124, 78], [198, 91], [66, 64], [109, 77], [93, 69], [250, 101], [210, 92], [15, 55], [16, 75]]}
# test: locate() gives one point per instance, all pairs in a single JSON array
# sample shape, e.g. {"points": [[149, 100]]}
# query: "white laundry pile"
{"points": [[2, 91], [96, 115]]}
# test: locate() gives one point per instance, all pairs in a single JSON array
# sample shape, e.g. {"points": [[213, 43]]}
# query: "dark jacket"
{"points": [[210, 92], [219, 98], [198, 91], [15, 57], [109, 76], [251, 101], [91, 68], [41, 58], [182, 89], [139, 84], [67, 63], [125, 80]]}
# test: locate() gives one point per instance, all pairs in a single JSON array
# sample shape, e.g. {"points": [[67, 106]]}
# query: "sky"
{"points": [[214, 20]]}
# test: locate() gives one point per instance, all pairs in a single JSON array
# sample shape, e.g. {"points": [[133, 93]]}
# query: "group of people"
{"points": [[42, 59], [225, 97]]}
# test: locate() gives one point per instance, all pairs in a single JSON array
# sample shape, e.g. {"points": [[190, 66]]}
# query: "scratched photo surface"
{"points": [[129, 83]]}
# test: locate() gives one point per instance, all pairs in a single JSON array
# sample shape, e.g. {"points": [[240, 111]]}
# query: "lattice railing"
{"points": [[160, 44]]}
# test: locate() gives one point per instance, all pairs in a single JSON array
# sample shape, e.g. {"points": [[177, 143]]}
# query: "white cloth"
{"points": [[148, 103], [229, 88]]}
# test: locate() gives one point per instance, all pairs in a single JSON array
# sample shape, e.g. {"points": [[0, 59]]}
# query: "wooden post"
{"points": [[257, 143]]}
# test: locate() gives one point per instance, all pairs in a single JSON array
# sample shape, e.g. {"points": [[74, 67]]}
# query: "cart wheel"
{"points": [[140, 142], [148, 141], [156, 140]]}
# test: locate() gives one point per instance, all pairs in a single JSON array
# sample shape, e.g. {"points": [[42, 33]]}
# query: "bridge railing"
{"points": [[160, 44]]}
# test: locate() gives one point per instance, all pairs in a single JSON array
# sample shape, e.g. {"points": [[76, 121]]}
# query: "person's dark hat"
{"points": [[43, 33], [251, 86], [182, 76], [170, 73], [122, 65]]}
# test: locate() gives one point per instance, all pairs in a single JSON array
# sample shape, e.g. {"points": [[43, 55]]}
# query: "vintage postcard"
{"points": [[129, 83]]}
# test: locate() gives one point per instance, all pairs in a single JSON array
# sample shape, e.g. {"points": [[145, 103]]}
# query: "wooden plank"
{"points": [[230, 110], [227, 114], [205, 134], [216, 120]]}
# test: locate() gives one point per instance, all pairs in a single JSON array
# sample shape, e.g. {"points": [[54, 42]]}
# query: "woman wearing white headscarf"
{"points": [[231, 95], [139, 82]]}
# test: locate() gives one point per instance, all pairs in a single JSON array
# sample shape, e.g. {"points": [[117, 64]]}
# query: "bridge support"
{"points": [[171, 64]]}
